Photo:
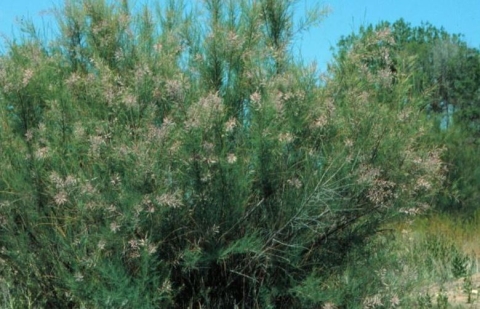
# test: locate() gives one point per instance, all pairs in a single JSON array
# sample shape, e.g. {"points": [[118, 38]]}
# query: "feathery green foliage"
{"points": [[183, 159]]}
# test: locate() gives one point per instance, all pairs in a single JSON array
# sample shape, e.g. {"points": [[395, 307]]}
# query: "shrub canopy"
{"points": [[180, 157]]}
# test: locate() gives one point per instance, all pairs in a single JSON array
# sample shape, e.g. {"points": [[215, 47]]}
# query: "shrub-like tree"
{"points": [[183, 159]]}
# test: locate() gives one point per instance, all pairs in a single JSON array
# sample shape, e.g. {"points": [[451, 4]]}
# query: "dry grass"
{"points": [[464, 232]]}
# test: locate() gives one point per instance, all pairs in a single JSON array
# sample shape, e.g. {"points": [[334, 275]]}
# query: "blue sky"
{"points": [[460, 16]]}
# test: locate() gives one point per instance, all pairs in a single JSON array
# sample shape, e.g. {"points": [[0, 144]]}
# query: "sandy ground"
{"points": [[456, 293]]}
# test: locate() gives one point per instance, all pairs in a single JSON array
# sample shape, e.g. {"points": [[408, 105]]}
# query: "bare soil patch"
{"points": [[457, 293]]}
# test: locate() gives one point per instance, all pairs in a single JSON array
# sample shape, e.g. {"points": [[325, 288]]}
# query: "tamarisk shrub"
{"points": [[183, 158]]}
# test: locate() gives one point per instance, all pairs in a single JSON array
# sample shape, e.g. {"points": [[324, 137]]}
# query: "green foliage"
{"points": [[460, 265], [425, 301], [442, 300], [446, 72], [182, 159], [441, 64]]}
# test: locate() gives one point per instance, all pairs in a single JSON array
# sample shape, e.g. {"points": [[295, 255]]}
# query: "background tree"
{"points": [[445, 71]]}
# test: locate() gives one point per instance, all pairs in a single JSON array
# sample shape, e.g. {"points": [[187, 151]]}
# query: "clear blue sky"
{"points": [[456, 16]]}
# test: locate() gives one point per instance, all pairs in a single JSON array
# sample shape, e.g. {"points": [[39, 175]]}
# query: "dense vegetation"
{"points": [[182, 158]]}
